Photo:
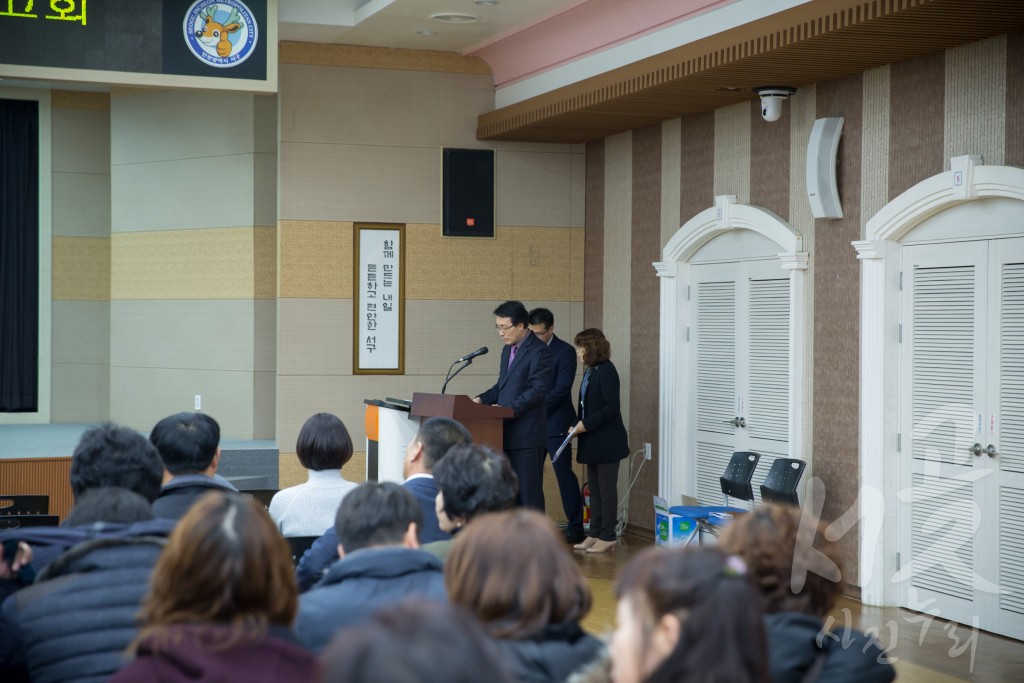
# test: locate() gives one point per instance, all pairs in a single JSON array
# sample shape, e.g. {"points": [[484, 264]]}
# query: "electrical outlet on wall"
{"points": [[199, 402], [647, 451]]}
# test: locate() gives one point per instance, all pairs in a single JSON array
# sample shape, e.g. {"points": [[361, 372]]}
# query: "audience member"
{"points": [[797, 571], [323, 447], [433, 439], [421, 641], [106, 455], [221, 602], [471, 480], [687, 616], [75, 621], [511, 570], [380, 563], [189, 445]]}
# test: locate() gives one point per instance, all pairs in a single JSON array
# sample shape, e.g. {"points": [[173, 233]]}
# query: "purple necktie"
{"points": [[511, 356]]}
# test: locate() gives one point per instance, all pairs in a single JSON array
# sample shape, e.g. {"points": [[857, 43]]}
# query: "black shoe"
{"points": [[573, 537]]}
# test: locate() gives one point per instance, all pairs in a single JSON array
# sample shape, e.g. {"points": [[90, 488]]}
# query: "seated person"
{"points": [[431, 442], [510, 569], [402, 643], [797, 640], [221, 603], [75, 621], [323, 447], [106, 455], [688, 615], [189, 445], [471, 480], [380, 564]]}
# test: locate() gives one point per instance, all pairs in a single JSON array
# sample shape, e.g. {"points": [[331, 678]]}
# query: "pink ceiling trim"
{"points": [[580, 30]]}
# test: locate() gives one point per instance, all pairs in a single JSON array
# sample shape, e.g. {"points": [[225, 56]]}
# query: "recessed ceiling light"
{"points": [[486, 3], [454, 17], [427, 33]]}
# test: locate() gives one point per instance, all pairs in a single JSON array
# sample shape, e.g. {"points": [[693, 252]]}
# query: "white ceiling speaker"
{"points": [[822, 153]]}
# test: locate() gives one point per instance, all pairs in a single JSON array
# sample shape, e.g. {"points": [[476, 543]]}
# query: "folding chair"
{"points": [[736, 484], [783, 478]]}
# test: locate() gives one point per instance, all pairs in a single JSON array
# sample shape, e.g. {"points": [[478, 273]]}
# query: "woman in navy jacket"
{"points": [[601, 437]]}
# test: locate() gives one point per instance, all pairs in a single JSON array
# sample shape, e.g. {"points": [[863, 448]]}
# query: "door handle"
{"points": [[741, 422], [991, 451], [976, 449]]}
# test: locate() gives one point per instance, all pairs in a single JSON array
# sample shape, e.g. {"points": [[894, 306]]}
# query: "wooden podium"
{"points": [[485, 423]]}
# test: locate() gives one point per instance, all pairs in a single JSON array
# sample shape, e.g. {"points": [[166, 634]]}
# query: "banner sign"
{"points": [[379, 311]]}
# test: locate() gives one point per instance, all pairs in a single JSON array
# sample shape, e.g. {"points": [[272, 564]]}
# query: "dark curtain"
{"points": [[19, 256]]}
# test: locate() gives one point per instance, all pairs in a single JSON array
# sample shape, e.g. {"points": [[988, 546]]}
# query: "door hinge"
{"points": [[687, 292], [687, 334], [901, 280], [899, 442], [899, 333], [898, 561]]}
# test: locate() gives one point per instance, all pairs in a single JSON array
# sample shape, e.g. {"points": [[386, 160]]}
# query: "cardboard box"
{"points": [[670, 529]]}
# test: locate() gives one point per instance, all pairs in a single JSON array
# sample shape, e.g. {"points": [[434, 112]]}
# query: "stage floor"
{"points": [[250, 464]]}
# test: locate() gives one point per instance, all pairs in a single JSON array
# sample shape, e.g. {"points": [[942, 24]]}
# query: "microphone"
{"points": [[479, 352]]}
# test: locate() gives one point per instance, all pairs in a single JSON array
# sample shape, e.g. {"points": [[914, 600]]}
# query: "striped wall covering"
{"points": [[901, 123]]}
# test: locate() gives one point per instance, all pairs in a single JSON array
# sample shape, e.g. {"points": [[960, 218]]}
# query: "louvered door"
{"points": [[962, 363], [741, 357]]}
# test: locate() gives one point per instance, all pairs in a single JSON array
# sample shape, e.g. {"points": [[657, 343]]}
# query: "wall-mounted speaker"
{"points": [[822, 152], [467, 207]]}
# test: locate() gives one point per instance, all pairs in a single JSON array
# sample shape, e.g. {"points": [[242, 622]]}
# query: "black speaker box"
{"points": [[468, 196]]}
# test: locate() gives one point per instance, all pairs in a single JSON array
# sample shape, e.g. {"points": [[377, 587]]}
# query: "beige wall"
{"points": [[364, 144], [193, 253], [81, 257]]}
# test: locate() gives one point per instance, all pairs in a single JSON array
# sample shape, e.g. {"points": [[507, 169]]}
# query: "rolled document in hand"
{"points": [[565, 443]]}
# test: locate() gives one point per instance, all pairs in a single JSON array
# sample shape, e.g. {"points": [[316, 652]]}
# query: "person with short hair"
{"points": [[511, 570], [402, 642], [222, 601], [687, 615], [779, 542], [561, 417], [524, 374], [189, 445], [471, 481], [75, 621], [323, 447], [432, 440], [601, 438], [381, 563]]}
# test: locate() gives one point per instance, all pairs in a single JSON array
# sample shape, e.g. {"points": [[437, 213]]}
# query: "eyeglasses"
{"points": [[503, 328]]}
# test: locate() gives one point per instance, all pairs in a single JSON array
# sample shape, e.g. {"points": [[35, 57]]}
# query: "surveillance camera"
{"points": [[771, 100]]}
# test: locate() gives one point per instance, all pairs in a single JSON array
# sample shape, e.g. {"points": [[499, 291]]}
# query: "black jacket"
{"points": [[850, 655], [558, 403], [75, 622], [177, 495], [522, 388], [605, 440], [552, 655], [363, 582]]}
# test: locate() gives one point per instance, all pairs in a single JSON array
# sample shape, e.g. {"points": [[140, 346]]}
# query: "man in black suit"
{"points": [[522, 385], [561, 417]]}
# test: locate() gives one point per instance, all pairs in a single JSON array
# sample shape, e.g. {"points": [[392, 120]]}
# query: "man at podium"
{"points": [[523, 375]]}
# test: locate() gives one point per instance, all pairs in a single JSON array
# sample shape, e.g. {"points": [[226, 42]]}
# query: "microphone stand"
{"points": [[450, 376]]}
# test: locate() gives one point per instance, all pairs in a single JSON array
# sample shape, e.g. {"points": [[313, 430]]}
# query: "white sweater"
{"points": [[309, 509]]}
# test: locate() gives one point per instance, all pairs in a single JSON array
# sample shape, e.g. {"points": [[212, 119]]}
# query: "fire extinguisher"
{"points": [[586, 504]]}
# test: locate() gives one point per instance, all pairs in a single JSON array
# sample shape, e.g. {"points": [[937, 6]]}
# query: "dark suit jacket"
{"points": [[605, 440], [558, 404], [523, 387]]}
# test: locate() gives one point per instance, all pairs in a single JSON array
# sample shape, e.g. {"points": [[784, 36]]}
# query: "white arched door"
{"points": [[731, 346], [943, 398]]}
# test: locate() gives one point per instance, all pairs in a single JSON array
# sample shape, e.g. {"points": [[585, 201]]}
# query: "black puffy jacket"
{"points": [[75, 622], [796, 640], [552, 656]]}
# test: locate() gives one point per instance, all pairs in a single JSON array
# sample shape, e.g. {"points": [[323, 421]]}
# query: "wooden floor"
{"points": [[924, 650]]}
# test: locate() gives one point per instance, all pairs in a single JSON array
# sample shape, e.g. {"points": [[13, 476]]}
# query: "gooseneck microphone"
{"points": [[479, 352], [468, 360]]}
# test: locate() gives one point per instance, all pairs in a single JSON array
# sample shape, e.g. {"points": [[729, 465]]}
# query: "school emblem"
{"points": [[222, 33]]}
